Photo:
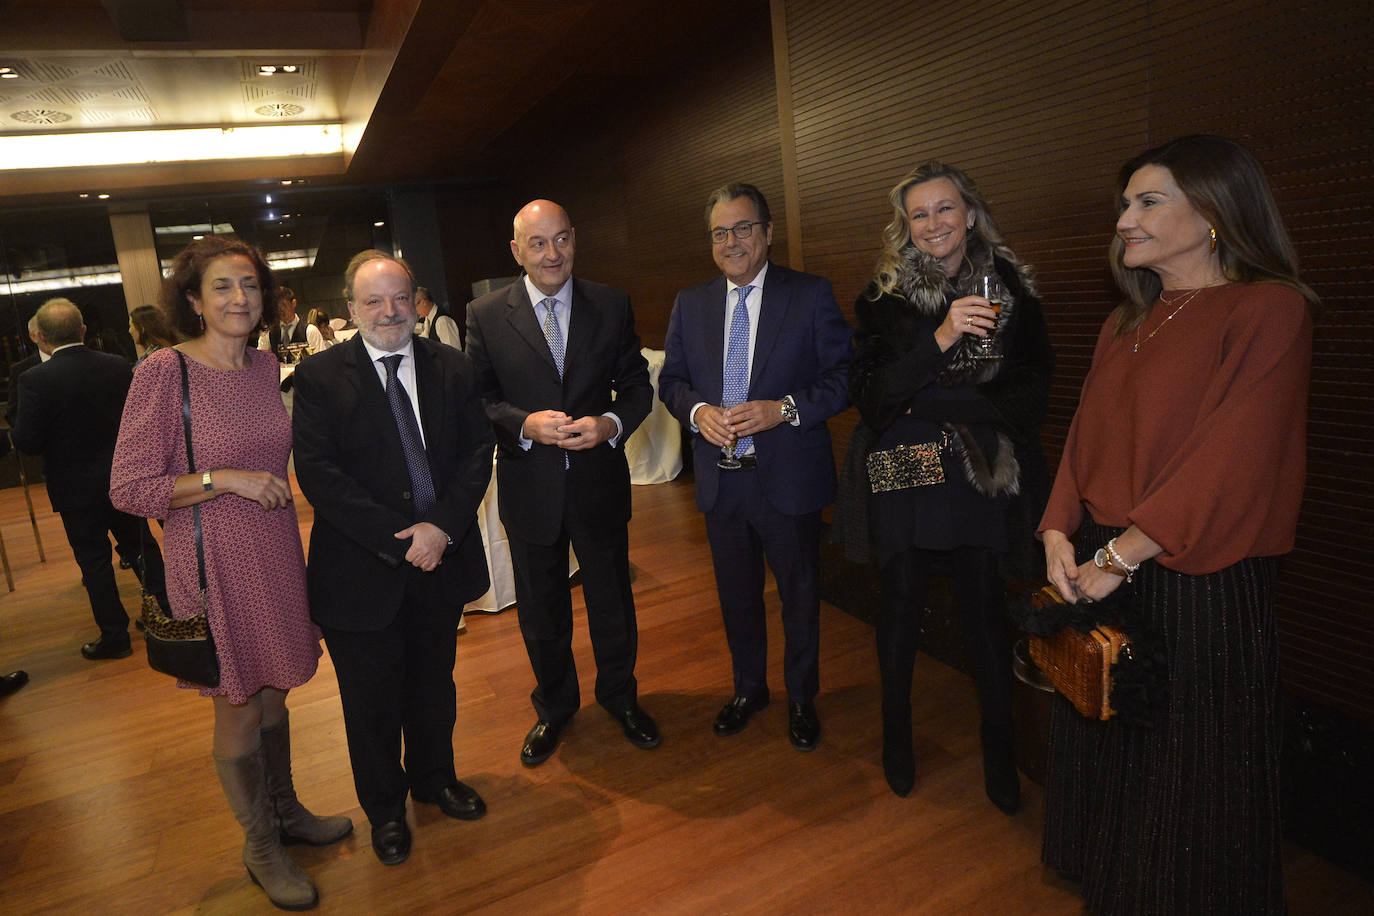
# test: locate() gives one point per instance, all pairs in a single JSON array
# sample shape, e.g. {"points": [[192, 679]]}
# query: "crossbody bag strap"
{"points": [[191, 467]]}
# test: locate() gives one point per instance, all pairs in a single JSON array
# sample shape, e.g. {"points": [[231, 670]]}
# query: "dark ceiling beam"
{"points": [[148, 20]]}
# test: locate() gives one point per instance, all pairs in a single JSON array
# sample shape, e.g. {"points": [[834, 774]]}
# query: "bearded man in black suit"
{"points": [[394, 453]]}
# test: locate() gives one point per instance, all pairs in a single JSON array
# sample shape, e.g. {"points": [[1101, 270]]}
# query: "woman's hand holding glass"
{"points": [[973, 315]]}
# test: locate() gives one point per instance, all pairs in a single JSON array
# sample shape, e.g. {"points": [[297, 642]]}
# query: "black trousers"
{"points": [[397, 683], [88, 532], [745, 530], [545, 613], [980, 600]]}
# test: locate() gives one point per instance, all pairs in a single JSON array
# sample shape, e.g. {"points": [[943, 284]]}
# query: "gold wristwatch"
{"points": [[206, 483]]}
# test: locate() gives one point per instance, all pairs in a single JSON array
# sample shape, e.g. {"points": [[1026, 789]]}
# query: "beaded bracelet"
{"points": [[1120, 563]]}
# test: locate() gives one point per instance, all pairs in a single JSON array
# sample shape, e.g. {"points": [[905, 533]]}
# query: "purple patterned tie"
{"points": [[421, 484]]}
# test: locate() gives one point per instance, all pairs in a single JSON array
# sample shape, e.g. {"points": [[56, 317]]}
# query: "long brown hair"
{"points": [[1225, 184]]}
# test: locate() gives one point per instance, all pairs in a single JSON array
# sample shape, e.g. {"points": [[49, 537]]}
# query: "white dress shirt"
{"points": [[405, 374]]}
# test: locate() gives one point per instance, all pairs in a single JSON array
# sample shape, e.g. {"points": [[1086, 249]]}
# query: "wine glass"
{"points": [[728, 461], [990, 287]]}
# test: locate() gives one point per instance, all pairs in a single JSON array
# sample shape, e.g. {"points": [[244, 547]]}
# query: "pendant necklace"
{"points": [[1185, 300]]}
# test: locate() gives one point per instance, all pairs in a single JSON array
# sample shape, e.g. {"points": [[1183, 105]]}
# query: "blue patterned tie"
{"points": [[552, 333], [736, 389], [421, 484]]}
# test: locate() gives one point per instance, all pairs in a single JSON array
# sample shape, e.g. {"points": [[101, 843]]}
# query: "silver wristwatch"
{"points": [[789, 410]]}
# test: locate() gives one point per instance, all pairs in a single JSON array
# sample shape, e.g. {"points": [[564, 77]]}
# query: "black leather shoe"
{"points": [[803, 726], [732, 719], [540, 743], [458, 800], [11, 682], [391, 842], [640, 728], [107, 647]]}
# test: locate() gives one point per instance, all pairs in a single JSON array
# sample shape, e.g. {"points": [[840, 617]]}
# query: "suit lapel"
{"points": [[772, 317], [371, 394], [584, 329], [713, 325], [429, 381], [520, 315]]}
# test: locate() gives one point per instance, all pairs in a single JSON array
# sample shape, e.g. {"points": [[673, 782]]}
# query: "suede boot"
{"points": [[268, 865], [297, 825]]}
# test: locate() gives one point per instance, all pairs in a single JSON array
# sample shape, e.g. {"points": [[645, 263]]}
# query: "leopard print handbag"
{"points": [[183, 647]]}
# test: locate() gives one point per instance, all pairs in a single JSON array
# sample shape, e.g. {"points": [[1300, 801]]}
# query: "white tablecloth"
{"points": [[655, 450], [501, 594]]}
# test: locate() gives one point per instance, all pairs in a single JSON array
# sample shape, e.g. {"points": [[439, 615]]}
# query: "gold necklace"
{"points": [[1186, 299]]}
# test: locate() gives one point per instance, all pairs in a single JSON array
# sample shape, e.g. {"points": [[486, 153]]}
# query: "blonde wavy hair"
{"points": [[984, 239]]}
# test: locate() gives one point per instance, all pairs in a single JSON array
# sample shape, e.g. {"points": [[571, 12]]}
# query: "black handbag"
{"points": [[183, 647]]}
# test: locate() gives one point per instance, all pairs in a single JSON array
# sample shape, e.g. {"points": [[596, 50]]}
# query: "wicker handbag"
{"points": [[183, 647], [1079, 664]]}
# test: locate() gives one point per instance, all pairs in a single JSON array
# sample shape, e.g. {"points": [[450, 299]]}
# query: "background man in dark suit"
{"points": [[288, 328], [19, 368], [69, 411], [790, 361], [395, 551], [561, 470]]}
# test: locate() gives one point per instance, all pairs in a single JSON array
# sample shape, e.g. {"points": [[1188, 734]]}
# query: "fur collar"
{"points": [[925, 287]]}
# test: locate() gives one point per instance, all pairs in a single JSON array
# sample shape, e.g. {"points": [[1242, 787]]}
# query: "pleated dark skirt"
{"points": [[1182, 818]]}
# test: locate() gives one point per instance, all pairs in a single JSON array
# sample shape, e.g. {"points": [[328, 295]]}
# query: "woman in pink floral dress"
{"points": [[254, 564]]}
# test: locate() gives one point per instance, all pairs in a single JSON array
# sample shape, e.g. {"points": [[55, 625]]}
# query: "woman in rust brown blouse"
{"points": [[1180, 483]]}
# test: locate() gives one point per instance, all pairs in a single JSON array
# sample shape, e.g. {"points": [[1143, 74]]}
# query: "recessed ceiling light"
{"points": [[379, 224], [103, 196], [286, 181], [268, 199], [83, 195], [197, 237]]}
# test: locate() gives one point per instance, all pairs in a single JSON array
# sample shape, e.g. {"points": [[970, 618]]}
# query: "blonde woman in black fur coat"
{"points": [[921, 379]]}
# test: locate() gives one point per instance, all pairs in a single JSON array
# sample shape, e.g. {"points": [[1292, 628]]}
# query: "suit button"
{"points": [[405, 494]]}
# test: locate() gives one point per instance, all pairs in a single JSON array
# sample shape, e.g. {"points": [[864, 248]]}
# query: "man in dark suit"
{"points": [[770, 345], [561, 468], [19, 368], [69, 411], [394, 453], [288, 328]]}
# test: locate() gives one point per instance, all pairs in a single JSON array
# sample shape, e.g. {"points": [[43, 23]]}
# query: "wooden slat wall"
{"points": [[636, 176], [1041, 103]]}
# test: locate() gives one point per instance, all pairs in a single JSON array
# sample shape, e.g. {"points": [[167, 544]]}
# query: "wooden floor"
{"points": [[108, 798]]}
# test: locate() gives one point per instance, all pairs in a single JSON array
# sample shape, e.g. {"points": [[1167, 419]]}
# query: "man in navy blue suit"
{"points": [[758, 360]]}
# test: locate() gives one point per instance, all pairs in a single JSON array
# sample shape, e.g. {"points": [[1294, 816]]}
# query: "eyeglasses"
{"points": [[742, 231]]}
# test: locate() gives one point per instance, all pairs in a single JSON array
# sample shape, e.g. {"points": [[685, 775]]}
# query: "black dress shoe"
{"points": [[803, 726], [458, 800], [107, 647], [391, 842], [640, 728], [540, 743], [11, 682], [732, 719]]}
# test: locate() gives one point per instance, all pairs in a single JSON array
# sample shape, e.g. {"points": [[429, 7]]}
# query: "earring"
{"points": [[202, 321], [1213, 234]]}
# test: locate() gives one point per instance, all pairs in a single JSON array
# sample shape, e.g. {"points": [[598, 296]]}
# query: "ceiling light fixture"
{"points": [[130, 147]]}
